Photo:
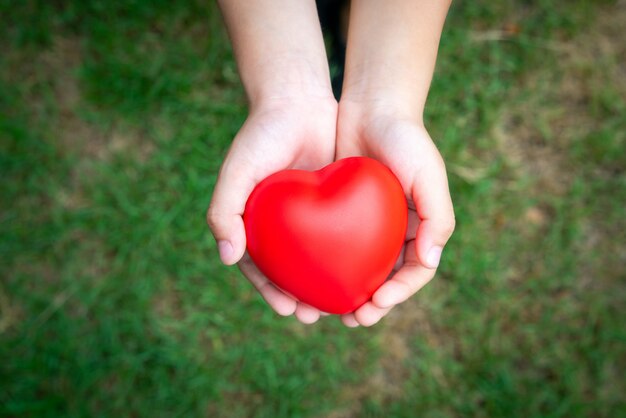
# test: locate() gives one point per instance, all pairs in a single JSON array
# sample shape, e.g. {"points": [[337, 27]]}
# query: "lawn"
{"points": [[114, 119]]}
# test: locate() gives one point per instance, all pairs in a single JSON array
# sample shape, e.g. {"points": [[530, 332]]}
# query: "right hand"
{"points": [[279, 133]]}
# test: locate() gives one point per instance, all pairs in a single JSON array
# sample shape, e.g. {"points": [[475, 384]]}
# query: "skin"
{"points": [[291, 124], [391, 55], [294, 122]]}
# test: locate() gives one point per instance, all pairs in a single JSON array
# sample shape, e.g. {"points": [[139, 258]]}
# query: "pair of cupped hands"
{"points": [[310, 132]]}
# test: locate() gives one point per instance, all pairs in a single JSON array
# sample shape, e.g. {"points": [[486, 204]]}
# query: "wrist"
{"points": [[301, 109], [367, 107], [392, 49], [287, 77], [278, 47], [390, 93]]}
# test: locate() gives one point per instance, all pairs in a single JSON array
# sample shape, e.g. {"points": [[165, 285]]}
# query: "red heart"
{"points": [[330, 237]]}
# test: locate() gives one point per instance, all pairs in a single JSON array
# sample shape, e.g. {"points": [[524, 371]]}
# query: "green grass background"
{"points": [[114, 119]]}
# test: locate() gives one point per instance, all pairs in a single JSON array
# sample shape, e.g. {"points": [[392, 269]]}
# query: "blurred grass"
{"points": [[114, 118]]}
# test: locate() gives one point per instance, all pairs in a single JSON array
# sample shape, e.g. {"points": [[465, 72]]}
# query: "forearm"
{"points": [[392, 49], [279, 48]]}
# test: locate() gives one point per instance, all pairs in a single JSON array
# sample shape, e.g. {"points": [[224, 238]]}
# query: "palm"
{"points": [[406, 148], [294, 135]]}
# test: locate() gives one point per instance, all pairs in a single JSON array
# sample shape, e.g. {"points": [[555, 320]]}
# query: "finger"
{"points": [[224, 216], [349, 320], [411, 229], [306, 313], [432, 200], [369, 314], [404, 284], [399, 263], [281, 303], [412, 224]]}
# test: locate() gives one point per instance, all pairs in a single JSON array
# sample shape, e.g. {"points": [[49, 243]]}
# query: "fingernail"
{"points": [[226, 250], [433, 257]]}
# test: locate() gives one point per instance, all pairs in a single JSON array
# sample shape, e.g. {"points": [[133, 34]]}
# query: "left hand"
{"points": [[403, 145]]}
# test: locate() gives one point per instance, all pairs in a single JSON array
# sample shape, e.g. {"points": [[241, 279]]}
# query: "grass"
{"points": [[114, 119]]}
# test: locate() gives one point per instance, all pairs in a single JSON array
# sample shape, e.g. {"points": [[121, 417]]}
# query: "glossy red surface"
{"points": [[330, 237]]}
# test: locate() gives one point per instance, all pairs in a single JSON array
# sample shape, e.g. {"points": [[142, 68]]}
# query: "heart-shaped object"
{"points": [[329, 237]]}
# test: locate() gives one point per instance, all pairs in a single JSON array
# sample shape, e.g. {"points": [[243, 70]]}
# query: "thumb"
{"points": [[225, 212], [434, 208]]}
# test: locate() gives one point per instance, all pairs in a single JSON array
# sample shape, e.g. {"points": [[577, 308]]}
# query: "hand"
{"points": [[278, 134], [403, 145], [279, 49], [391, 54], [282, 64]]}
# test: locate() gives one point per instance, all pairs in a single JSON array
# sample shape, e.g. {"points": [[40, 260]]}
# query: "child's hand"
{"points": [[392, 48], [278, 134], [405, 147], [292, 121]]}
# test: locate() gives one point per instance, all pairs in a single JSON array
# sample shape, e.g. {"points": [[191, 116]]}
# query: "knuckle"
{"points": [[439, 161], [213, 216], [449, 226]]}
